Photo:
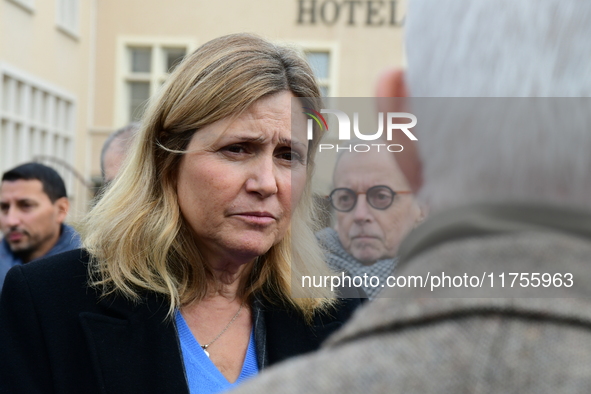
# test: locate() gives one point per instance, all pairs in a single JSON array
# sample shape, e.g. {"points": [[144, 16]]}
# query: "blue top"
{"points": [[202, 375], [68, 240]]}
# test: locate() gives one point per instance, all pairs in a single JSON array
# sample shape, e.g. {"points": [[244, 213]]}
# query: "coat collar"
{"points": [[493, 219]]}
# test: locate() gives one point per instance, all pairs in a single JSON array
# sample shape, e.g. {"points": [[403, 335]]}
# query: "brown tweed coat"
{"points": [[520, 340]]}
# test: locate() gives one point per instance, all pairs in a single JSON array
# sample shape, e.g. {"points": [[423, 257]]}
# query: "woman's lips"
{"points": [[258, 218]]}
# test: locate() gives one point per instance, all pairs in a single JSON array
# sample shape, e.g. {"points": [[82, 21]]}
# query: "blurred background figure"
{"points": [[115, 150], [507, 183], [33, 208], [374, 210]]}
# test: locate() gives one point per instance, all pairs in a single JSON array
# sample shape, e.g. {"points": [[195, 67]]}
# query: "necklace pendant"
{"points": [[204, 347]]}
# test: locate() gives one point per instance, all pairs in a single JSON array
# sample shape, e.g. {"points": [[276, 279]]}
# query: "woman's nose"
{"points": [[263, 178]]}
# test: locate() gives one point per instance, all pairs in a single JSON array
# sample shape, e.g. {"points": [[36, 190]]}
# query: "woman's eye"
{"points": [[234, 149], [291, 156]]}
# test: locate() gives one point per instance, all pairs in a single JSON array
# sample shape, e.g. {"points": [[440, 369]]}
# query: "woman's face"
{"points": [[239, 179]]}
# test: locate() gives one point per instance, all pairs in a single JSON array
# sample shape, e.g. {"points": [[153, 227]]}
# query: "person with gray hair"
{"points": [[115, 150], [502, 160]]}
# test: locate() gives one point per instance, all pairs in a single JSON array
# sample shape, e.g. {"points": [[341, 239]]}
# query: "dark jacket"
{"points": [[58, 336], [68, 240]]}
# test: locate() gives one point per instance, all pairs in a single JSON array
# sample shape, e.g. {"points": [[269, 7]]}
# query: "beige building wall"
{"points": [[46, 62], [360, 49], [65, 64]]}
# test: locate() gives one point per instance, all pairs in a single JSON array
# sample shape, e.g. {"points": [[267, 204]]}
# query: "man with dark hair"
{"points": [[115, 150], [33, 207]]}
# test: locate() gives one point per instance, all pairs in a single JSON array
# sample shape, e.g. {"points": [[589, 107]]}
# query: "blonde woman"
{"points": [[184, 284]]}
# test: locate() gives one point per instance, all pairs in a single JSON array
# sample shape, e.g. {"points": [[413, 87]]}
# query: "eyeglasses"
{"points": [[379, 197]]}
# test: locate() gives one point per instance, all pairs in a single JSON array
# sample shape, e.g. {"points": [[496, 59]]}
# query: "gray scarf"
{"points": [[340, 260]]}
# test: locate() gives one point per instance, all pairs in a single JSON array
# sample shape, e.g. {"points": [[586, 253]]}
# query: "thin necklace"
{"points": [[204, 347]]}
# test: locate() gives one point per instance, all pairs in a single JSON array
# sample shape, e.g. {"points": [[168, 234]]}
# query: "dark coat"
{"points": [[58, 335]]}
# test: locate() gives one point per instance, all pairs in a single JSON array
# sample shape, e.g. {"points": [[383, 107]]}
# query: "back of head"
{"points": [[505, 148], [115, 150], [53, 184], [503, 48]]}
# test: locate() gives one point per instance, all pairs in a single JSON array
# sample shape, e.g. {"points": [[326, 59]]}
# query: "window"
{"points": [[320, 63], [67, 16], [27, 5], [148, 69], [323, 58], [146, 66], [36, 119]]}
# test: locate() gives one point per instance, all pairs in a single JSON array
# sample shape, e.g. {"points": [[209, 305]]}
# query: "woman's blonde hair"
{"points": [[136, 234]]}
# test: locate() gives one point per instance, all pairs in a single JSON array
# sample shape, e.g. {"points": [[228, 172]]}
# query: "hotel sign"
{"points": [[350, 12]]}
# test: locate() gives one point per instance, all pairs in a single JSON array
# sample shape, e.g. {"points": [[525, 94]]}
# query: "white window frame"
{"points": [[156, 75], [27, 5], [24, 134], [70, 29], [334, 58]]}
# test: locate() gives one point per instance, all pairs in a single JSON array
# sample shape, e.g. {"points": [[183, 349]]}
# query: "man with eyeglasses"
{"points": [[374, 211]]}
